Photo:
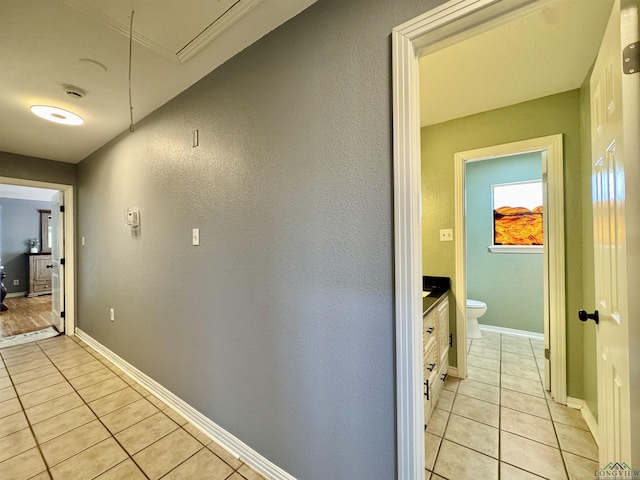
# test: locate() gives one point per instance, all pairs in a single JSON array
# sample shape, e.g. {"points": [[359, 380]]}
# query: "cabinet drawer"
{"points": [[41, 287], [429, 323], [430, 359]]}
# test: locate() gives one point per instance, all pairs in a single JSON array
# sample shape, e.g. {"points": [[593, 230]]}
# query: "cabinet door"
{"points": [[42, 268], [443, 330]]}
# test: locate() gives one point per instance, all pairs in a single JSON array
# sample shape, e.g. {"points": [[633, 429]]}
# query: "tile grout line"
{"points": [[24, 412]]}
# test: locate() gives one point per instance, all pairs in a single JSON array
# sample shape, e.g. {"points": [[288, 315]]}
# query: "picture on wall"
{"points": [[518, 225]]}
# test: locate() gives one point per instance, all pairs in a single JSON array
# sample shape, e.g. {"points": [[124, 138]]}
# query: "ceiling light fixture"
{"points": [[57, 115]]}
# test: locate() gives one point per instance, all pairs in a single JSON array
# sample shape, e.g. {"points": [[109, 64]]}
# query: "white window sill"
{"points": [[516, 248]]}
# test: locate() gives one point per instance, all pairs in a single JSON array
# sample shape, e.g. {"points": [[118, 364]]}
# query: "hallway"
{"points": [[499, 423]]}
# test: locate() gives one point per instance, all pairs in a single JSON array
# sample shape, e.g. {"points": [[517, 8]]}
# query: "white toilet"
{"points": [[475, 309]]}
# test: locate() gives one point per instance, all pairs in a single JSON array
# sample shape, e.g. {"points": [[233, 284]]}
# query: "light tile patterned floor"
{"points": [[67, 413], [499, 423]]}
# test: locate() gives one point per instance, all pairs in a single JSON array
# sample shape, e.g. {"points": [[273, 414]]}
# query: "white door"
{"points": [[612, 148], [57, 259]]}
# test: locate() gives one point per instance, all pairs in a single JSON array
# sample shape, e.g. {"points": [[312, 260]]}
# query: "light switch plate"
{"points": [[446, 235], [195, 237]]}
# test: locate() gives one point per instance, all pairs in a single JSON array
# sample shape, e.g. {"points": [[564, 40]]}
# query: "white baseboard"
{"points": [[512, 331], [16, 294], [229, 442], [587, 415]]}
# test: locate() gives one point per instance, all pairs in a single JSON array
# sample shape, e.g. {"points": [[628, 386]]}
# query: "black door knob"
{"points": [[584, 316]]}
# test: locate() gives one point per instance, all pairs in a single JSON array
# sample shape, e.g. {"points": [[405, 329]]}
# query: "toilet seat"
{"points": [[475, 304]]}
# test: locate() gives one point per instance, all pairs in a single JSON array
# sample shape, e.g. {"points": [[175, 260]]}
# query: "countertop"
{"points": [[434, 297]]}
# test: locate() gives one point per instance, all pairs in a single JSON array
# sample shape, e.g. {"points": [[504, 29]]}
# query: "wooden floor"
{"points": [[25, 315]]}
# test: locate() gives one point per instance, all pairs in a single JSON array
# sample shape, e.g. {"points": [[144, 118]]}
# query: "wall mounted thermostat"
{"points": [[132, 217]]}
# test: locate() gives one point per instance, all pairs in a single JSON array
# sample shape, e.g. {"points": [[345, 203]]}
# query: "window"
{"points": [[517, 215]]}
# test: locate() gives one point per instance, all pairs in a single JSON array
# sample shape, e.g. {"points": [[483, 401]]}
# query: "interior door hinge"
{"points": [[547, 354], [62, 314], [451, 340], [61, 208], [62, 261], [631, 58]]}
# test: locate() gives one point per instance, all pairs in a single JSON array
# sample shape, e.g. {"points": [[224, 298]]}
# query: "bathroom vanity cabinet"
{"points": [[436, 341]]}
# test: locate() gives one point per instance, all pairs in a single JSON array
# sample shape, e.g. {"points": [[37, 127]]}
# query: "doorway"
{"points": [[55, 294]]}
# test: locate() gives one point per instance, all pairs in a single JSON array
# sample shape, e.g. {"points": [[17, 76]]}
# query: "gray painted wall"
{"points": [[20, 221], [280, 325], [511, 284], [31, 168]]}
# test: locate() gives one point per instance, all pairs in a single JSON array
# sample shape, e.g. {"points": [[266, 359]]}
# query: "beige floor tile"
{"points": [[26, 366], [126, 470], [93, 378], [438, 422], [9, 407], [19, 350], [482, 362], [157, 402], [456, 461], [522, 385], [431, 447], [167, 453], [576, 441], [7, 394], [3, 371], [140, 389], [54, 407], [483, 375], [41, 476], [445, 400], [236, 476], [509, 472], [567, 416], [12, 423], [5, 383], [531, 456], [249, 474], [75, 441], [451, 383], [508, 357], [478, 410], [524, 403], [146, 432], [113, 401], [39, 383], [126, 379], [91, 462], [474, 435], [229, 459], [578, 467], [487, 342], [481, 391], [529, 426], [203, 464], [26, 465], [523, 349], [74, 361], [16, 443], [19, 378], [131, 414], [197, 434], [83, 369], [45, 395], [62, 423], [530, 373], [175, 416], [26, 358], [485, 352]]}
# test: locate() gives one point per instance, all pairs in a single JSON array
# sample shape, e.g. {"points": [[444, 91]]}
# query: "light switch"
{"points": [[446, 235], [195, 238]]}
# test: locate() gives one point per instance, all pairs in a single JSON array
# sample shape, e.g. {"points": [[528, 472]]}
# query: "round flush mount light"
{"points": [[57, 115]]}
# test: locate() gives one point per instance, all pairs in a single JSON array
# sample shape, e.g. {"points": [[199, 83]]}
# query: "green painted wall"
{"points": [[515, 294], [590, 358], [537, 118]]}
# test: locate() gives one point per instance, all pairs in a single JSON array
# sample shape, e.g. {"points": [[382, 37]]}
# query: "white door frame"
{"points": [[447, 23], [69, 246], [554, 258]]}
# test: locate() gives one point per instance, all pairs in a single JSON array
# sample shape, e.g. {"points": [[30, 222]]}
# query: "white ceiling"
{"points": [[547, 51], [48, 43], [26, 193]]}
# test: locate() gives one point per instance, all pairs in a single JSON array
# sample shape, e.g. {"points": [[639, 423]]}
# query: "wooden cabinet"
{"points": [[39, 270], [435, 341]]}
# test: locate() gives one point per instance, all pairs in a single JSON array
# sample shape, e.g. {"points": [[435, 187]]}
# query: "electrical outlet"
{"points": [[446, 235], [16, 282], [112, 314]]}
